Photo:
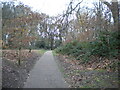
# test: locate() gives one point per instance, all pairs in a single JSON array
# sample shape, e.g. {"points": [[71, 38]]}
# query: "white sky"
{"points": [[51, 7]]}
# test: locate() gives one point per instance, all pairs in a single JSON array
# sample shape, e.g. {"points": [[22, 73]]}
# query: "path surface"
{"points": [[46, 74], [0, 72]]}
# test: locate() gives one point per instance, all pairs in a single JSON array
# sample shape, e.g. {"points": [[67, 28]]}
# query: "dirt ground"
{"points": [[77, 76], [14, 75]]}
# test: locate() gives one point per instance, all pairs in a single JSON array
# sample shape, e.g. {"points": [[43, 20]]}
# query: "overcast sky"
{"points": [[51, 7]]}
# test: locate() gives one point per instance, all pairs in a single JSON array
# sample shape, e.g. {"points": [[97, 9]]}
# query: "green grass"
{"points": [[77, 71], [85, 86], [65, 75], [41, 51], [101, 70], [54, 53], [61, 69], [0, 53]]}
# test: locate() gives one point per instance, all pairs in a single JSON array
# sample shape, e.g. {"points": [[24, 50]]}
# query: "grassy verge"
{"points": [[0, 52], [59, 65], [54, 53], [41, 51]]}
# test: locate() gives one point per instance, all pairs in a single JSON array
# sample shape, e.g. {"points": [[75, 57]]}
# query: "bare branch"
{"points": [[72, 8], [106, 3]]}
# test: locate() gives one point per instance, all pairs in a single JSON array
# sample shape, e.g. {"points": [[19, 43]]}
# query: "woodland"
{"points": [[84, 36]]}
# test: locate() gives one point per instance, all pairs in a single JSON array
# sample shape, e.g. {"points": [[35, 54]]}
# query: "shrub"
{"points": [[105, 46]]}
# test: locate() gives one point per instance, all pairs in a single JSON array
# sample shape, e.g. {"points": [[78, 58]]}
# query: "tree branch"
{"points": [[73, 9], [107, 3]]}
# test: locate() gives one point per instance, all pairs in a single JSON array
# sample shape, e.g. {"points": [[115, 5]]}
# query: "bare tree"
{"points": [[114, 7]]}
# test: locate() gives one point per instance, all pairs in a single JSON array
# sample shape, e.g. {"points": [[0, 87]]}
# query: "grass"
{"points": [[54, 53], [41, 51], [85, 86], [101, 70], [0, 53], [60, 68]]}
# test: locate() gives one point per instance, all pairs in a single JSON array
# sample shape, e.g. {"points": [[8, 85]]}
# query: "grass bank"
{"points": [[41, 51]]}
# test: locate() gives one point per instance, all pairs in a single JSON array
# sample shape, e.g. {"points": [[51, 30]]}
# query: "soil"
{"points": [[80, 76], [14, 75]]}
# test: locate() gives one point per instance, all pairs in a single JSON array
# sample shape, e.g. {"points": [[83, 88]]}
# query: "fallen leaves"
{"points": [[89, 68], [92, 74], [14, 76], [13, 55]]}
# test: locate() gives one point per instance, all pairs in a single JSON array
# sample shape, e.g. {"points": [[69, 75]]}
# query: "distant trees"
{"points": [[19, 23], [85, 24], [92, 32], [19, 27], [24, 28]]}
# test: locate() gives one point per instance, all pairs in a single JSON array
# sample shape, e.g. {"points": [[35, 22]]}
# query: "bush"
{"points": [[83, 57], [97, 48], [106, 46], [40, 44]]}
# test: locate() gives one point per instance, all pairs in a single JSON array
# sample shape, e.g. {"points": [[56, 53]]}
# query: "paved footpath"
{"points": [[46, 74], [0, 72]]}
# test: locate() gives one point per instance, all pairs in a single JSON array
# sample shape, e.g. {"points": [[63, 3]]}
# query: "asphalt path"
{"points": [[0, 72], [46, 74]]}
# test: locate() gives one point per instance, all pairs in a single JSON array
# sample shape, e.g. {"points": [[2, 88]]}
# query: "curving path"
{"points": [[46, 74]]}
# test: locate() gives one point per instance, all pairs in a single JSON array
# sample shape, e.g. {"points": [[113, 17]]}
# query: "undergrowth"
{"points": [[105, 46]]}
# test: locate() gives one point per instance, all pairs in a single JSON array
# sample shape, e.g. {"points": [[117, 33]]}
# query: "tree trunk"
{"points": [[114, 7], [115, 13], [60, 37], [19, 62], [30, 50], [52, 43]]}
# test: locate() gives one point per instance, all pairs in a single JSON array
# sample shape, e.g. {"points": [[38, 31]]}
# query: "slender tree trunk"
{"points": [[19, 61], [30, 50], [52, 43], [60, 36]]}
